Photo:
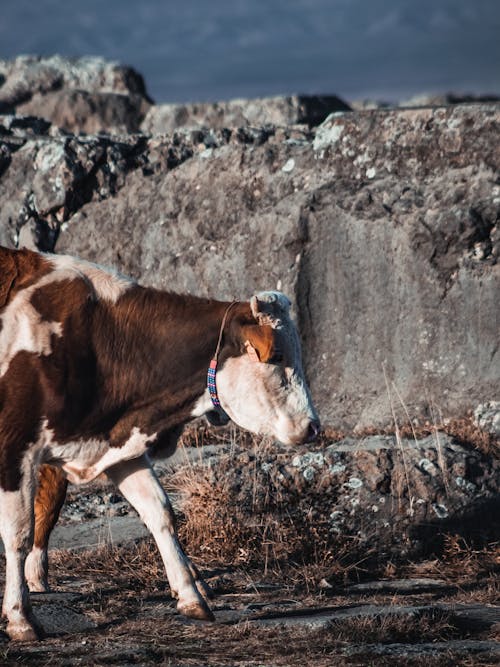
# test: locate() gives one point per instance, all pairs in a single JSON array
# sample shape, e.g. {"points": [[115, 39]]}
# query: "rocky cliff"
{"points": [[382, 225]]}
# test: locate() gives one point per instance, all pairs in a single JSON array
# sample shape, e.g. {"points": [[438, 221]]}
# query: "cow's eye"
{"points": [[277, 358]]}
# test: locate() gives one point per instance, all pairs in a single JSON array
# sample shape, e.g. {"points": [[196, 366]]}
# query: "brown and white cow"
{"points": [[98, 372]]}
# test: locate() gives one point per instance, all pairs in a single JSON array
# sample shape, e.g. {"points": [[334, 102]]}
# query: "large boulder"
{"points": [[79, 95], [309, 110], [91, 95], [376, 498], [382, 225]]}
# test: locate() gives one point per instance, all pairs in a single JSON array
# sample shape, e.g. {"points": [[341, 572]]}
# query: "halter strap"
{"points": [[212, 369]]}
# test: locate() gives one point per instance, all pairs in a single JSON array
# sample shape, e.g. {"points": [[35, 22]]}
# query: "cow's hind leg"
{"points": [[16, 528], [49, 499], [139, 484]]}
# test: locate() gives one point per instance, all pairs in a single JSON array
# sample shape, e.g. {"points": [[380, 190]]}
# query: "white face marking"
{"points": [[266, 399], [108, 284], [271, 399]]}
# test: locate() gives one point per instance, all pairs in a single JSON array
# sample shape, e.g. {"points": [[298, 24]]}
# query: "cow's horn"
{"points": [[269, 303]]}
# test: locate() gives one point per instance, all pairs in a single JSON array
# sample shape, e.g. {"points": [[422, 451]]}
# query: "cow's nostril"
{"points": [[313, 430]]}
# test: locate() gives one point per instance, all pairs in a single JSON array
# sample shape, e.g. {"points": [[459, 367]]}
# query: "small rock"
{"points": [[354, 483], [487, 417]]}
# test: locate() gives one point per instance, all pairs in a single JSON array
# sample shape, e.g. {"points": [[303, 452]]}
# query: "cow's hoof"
{"points": [[204, 589], [198, 610], [24, 632], [38, 586]]}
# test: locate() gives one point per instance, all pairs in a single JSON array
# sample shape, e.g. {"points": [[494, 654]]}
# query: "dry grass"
{"points": [[135, 566], [250, 519], [254, 522], [425, 625], [217, 529], [123, 594], [464, 566]]}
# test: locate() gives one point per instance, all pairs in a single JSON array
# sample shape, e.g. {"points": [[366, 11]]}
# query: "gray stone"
{"points": [[487, 417], [384, 233], [390, 287], [373, 492], [83, 112], [93, 533], [79, 95], [26, 76], [405, 586], [297, 109], [57, 619], [424, 650]]}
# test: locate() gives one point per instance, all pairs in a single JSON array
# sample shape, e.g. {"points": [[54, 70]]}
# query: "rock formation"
{"points": [[382, 225]]}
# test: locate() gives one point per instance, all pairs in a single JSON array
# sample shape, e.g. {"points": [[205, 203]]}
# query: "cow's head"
{"points": [[263, 388]]}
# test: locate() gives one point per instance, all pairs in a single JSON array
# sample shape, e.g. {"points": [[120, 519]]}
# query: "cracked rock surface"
{"points": [[382, 226]]}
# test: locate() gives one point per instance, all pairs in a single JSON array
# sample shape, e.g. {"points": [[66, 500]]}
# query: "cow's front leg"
{"points": [[140, 486], [49, 499], [16, 528]]}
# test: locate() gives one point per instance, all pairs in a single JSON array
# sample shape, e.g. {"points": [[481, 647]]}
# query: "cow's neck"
{"points": [[153, 350]]}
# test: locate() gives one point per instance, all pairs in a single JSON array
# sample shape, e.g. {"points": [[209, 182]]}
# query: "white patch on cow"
{"points": [[203, 405], [23, 328], [108, 284], [266, 399], [35, 570], [84, 460], [140, 486], [16, 530]]}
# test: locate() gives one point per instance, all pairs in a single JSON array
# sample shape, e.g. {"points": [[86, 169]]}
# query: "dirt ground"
{"points": [[110, 606], [110, 603]]}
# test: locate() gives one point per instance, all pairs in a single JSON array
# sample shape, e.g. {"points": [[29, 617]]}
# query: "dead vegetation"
{"points": [[424, 625], [261, 544], [248, 511], [135, 566], [136, 624]]}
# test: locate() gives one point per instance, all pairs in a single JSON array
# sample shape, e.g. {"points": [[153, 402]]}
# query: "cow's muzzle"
{"points": [[217, 417]]}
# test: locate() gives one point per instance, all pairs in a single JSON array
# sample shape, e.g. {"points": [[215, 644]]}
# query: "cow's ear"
{"points": [[258, 341]]}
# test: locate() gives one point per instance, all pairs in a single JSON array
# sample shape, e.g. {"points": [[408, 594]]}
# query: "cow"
{"points": [[98, 372]]}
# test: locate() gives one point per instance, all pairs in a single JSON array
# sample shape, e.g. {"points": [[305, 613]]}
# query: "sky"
{"points": [[209, 50]]}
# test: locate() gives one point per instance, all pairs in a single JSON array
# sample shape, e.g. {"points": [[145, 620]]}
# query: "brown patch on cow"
{"points": [[19, 269], [61, 300], [68, 376], [20, 405], [51, 492]]}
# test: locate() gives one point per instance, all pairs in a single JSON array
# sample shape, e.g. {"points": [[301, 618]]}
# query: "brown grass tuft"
{"points": [[424, 625], [136, 565], [474, 571], [228, 521]]}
